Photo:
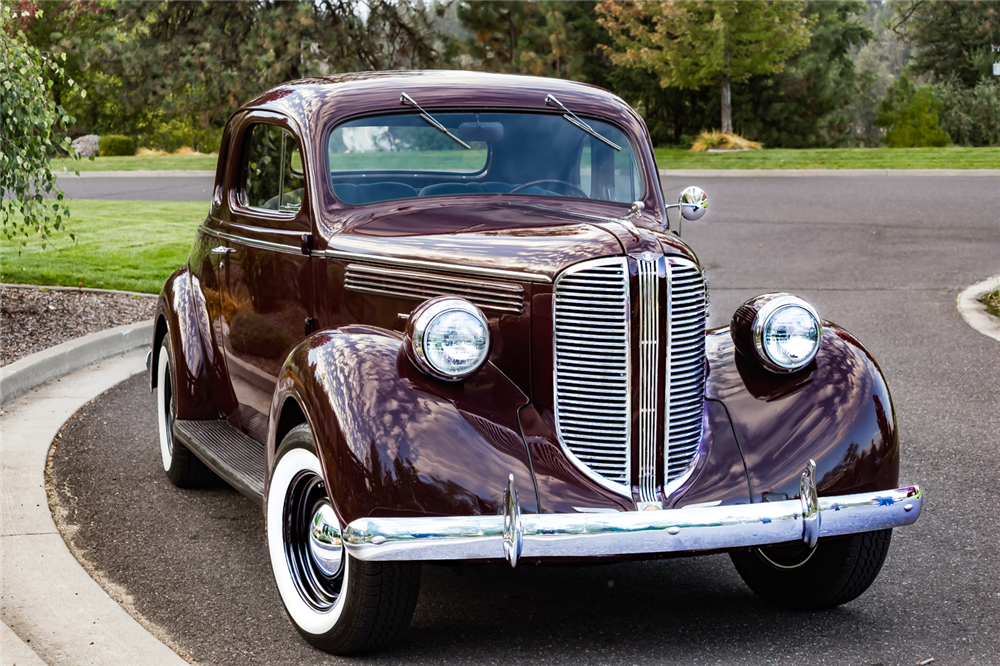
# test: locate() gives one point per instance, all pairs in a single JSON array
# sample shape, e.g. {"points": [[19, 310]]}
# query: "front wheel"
{"points": [[834, 572], [339, 604]]}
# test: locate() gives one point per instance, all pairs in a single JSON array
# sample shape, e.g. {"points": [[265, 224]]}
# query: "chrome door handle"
{"points": [[222, 249]]}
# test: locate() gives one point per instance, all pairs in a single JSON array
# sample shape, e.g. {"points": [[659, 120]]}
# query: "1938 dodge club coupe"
{"points": [[439, 316]]}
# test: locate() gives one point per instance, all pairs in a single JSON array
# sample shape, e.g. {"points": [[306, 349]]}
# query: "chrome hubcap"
{"points": [[325, 544], [314, 548]]}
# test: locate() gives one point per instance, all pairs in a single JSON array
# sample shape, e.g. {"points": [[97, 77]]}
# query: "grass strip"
{"points": [[137, 163], [129, 245], [833, 158], [992, 302]]}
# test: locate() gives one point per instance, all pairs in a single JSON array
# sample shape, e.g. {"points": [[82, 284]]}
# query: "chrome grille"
{"points": [[591, 355], [649, 353], [421, 285], [687, 366]]}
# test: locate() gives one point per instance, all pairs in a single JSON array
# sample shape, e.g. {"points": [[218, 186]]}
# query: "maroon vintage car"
{"points": [[444, 316]]}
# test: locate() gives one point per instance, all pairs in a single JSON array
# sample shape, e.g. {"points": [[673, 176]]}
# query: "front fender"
{"points": [[836, 411], [176, 312], [395, 442]]}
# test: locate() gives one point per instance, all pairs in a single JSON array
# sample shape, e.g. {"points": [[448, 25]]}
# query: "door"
{"points": [[266, 278]]}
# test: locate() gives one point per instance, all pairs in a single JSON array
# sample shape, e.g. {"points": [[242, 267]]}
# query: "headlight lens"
{"points": [[450, 337], [787, 333]]}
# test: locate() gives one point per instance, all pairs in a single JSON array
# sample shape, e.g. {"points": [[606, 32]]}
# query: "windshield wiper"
{"points": [[406, 99], [573, 118]]}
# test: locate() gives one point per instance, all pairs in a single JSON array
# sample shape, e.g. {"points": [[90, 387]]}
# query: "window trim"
{"points": [[236, 192]]}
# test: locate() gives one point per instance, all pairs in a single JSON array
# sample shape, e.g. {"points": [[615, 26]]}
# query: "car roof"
{"points": [[313, 100]]}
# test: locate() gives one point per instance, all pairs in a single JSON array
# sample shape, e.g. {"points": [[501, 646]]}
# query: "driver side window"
{"points": [[274, 176]]}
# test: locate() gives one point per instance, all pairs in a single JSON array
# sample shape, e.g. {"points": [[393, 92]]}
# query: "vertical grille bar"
{"points": [[592, 360], [649, 345], [686, 362]]}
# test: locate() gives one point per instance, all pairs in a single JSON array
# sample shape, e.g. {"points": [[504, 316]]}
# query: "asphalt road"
{"points": [[138, 188], [884, 257]]}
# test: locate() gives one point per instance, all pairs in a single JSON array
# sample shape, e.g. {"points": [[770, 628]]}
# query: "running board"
{"points": [[239, 460]]}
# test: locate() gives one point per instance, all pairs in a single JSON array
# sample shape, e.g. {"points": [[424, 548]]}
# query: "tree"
{"points": [[496, 27], [565, 42], [806, 104], [952, 39], [910, 116], [204, 59], [695, 43], [32, 126]]}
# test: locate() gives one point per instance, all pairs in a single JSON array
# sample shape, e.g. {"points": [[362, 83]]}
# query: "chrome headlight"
{"points": [[781, 331], [448, 338]]}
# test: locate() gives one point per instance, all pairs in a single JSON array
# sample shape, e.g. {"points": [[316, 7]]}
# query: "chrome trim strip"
{"points": [[417, 296], [252, 242], [649, 347], [449, 280], [600, 334], [688, 529], [435, 266]]}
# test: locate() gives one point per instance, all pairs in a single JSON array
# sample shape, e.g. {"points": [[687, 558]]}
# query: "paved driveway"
{"points": [[97, 185], [883, 257]]}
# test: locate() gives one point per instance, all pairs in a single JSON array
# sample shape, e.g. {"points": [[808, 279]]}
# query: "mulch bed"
{"points": [[35, 319]]}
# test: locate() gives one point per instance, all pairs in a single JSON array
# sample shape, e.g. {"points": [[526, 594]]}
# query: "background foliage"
{"points": [[803, 73], [32, 128]]}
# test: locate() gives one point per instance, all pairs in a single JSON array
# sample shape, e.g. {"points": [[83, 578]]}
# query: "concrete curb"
{"points": [[137, 174], [975, 312], [21, 376], [85, 290], [828, 173], [47, 599]]}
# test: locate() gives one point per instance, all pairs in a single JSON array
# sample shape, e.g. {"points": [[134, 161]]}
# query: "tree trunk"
{"points": [[727, 102], [727, 106]]}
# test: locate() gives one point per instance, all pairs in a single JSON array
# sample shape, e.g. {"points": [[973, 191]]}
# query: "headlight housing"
{"points": [[448, 338], [781, 331]]}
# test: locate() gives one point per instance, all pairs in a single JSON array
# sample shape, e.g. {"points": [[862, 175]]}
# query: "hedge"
{"points": [[112, 145]]}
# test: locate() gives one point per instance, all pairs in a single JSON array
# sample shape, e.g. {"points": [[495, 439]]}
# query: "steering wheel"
{"points": [[550, 180]]}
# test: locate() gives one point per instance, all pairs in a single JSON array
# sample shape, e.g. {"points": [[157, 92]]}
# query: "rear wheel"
{"points": [[339, 604], [183, 468], [834, 572]]}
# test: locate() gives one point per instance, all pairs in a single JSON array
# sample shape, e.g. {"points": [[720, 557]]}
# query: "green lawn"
{"points": [[833, 158], [129, 245], [136, 163]]}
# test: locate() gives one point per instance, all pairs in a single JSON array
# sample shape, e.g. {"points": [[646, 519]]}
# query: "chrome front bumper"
{"points": [[513, 536]]}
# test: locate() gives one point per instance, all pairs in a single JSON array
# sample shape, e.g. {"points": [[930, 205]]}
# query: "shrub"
{"points": [[716, 140], [971, 116], [177, 133], [992, 302], [910, 116], [114, 145]]}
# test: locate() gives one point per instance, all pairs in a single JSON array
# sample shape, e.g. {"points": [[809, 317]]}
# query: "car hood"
{"points": [[511, 236]]}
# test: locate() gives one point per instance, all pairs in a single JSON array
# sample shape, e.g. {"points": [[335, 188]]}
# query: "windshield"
{"points": [[402, 156]]}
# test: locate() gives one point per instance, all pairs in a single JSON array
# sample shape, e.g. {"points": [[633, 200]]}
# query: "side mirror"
{"points": [[693, 203]]}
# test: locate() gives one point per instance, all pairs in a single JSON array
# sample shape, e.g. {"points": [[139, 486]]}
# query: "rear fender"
{"points": [[836, 411], [393, 441], [176, 311]]}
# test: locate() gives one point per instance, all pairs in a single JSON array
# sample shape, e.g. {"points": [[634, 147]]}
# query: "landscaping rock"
{"points": [[86, 145]]}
